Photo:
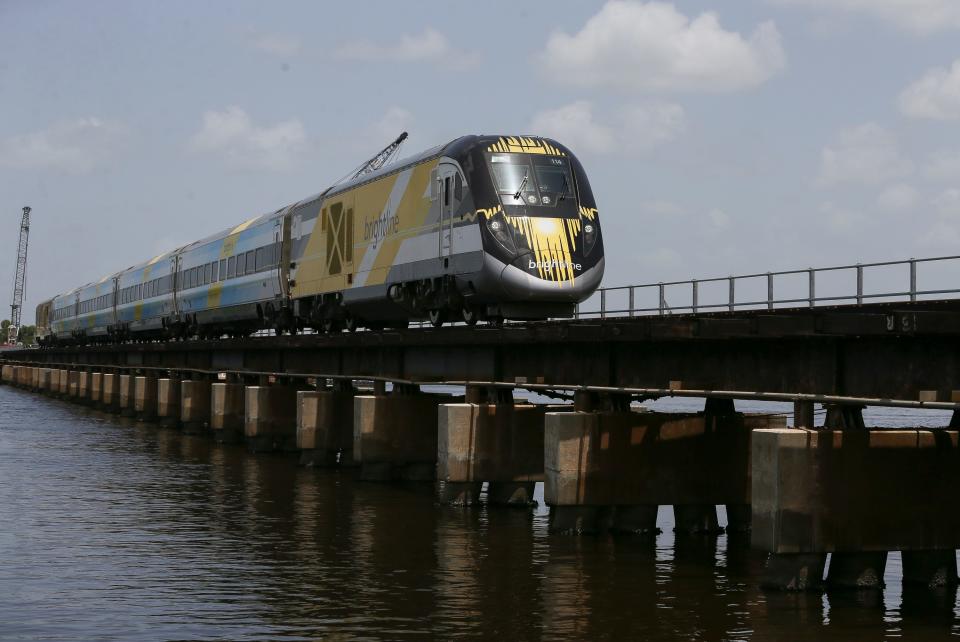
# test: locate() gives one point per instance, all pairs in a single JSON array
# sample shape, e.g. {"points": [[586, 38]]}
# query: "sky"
{"points": [[719, 138]]}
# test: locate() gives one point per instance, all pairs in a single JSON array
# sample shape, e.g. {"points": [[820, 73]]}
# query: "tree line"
{"points": [[27, 334]]}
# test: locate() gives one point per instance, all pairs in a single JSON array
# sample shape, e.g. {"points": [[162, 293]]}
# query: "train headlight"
{"points": [[500, 230], [589, 237]]}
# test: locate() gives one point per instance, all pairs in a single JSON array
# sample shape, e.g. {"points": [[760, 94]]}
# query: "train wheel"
{"points": [[437, 317], [469, 315], [350, 324]]}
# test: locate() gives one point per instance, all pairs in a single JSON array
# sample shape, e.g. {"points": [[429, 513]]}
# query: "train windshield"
{"points": [[531, 179]]}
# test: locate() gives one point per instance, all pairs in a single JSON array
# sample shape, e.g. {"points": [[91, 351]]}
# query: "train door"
{"points": [[286, 227], [115, 300], [447, 178], [175, 285]]}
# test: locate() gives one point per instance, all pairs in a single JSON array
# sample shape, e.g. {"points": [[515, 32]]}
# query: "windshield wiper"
{"points": [[522, 183], [563, 188]]}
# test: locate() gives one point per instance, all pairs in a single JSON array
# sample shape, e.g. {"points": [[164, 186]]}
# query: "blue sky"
{"points": [[719, 137]]}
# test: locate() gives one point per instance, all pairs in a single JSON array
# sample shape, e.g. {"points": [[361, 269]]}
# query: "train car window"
{"points": [[251, 265], [223, 269], [214, 271], [241, 264], [207, 273], [513, 175], [261, 258], [458, 188], [446, 191], [554, 178], [231, 267]]}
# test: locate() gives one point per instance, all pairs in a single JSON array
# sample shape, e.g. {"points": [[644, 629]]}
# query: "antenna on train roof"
{"points": [[380, 159]]}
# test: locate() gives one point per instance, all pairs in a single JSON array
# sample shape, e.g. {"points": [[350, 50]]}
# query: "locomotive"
{"points": [[483, 228]]}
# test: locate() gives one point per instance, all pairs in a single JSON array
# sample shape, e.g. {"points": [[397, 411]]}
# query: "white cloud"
{"points": [[76, 146], [653, 47], [277, 44], [897, 198], [233, 134], [840, 219], [943, 233], [429, 46], [948, 203], [648, 125], [864, 154], [936, 95], [633, 128], [718, 218], [393, 122], [919, 16], [575, 127], [662, 258], [943, 166], [661, 208]]}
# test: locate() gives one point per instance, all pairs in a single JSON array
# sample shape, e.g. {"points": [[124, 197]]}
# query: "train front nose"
{"points": [[530, 279]]}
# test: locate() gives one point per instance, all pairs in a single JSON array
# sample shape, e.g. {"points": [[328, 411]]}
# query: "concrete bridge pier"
{"points": [[34, 379], [73, 384], [110, 395], [325, 425], [270, 419], [63, 388], [227, 411], [195, 405], [6, 374], [395, 434], [83, 387], [44, 381], [856, 493], [609, 467], [489, 439], [127, 395], [96, 389], [168, 401], [145, 397]]}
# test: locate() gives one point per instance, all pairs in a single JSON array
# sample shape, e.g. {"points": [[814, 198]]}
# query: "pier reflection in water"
{"points": [[115, 530]]}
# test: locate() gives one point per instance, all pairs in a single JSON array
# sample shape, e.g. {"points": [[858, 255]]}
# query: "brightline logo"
{"points": [[550, 265]]}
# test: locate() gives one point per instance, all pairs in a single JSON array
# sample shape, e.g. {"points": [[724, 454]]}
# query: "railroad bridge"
{"points": [[361, 400]]}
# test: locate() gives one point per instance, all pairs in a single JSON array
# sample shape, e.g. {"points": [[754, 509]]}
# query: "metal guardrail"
{"points": [[692, 303]]}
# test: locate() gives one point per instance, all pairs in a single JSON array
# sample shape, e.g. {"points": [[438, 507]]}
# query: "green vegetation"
{"points": [[27, 334]]}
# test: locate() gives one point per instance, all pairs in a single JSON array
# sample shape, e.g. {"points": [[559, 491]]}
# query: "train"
{"points": [[481, 229]]}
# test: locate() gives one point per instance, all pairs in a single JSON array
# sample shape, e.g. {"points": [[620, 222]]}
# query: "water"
{"points": [[112, 530]]}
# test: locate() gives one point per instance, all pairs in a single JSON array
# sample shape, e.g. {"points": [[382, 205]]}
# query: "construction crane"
{"points": [[382, 158], [20, 278], [379, 160]]}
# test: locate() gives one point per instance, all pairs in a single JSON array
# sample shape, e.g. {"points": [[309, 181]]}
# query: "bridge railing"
{"points": [[922, 279]]}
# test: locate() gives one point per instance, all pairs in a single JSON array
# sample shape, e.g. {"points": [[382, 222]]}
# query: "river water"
{"points": [[113, 530]]}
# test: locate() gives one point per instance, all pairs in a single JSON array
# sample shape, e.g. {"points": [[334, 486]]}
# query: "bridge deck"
{"points": [[892, 351]]}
